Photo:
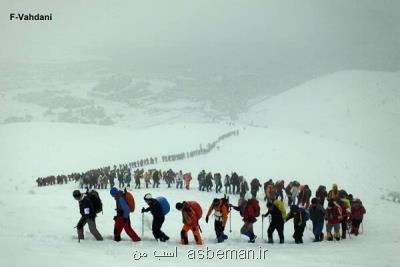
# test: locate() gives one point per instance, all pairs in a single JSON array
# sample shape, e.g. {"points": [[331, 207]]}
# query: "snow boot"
{"points": [[337, 236], [270, 241], [253, 239], [329, 236]]}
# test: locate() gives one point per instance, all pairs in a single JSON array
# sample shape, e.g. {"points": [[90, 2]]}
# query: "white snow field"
{"points": [[308, 140]]}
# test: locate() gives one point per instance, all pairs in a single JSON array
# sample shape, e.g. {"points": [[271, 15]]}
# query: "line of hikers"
{"points": [[99, 178], [343, 213]]}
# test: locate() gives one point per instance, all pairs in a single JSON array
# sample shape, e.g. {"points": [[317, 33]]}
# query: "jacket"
{"points": [[334, 214], [317, 213], [122, 206], [155, 209], [86, 208], [220, 212]]}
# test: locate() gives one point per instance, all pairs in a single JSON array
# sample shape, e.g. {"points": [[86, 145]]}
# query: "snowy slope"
{"points": [[37, 228], [360, 108]]}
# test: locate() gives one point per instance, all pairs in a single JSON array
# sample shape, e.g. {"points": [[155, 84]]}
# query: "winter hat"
{"points": [[76, 194], [179, 206], [148, 196], [314, 201], [113, 191]]}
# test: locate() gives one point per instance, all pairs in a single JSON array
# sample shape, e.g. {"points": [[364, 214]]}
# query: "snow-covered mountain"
{"points": [[359, 108], [298, 143]]}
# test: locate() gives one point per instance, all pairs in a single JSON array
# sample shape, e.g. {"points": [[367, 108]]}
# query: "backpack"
{"points": [[281, 207], [256, 207], [280, 184], [164, 205], [306, 214], [130, 200], [196, 208], [225, 202], [95, 200]]}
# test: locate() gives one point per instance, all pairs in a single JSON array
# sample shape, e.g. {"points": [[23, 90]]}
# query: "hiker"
{"points": [[120, 177], [249, 210], [300, 217], [201, 177], [122, 220], [208, 181], [179, 180], [227, 184], [191, 214], [321, 194], [255, 186], [187, 178], [235, 183], [243, 187], [218, 182], [220, 207], [333, 218], [357, 215], [344, 204], [137, 175], [304, 196], [278, 189], [158, 217], [317, 216], [333, 193], [268, 191], [88, 215], [156, 179], [276, 222]]}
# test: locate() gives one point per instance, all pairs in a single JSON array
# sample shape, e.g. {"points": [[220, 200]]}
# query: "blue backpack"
{"points": [[164, 205]]}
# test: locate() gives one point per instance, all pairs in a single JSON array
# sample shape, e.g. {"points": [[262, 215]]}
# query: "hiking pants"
{"points": [[156, 227], [247, 230], [196, 234], [336, 228], [92, 228], [124, 224], [219, 228], [298, 233], [317, 230], [279, 227]]}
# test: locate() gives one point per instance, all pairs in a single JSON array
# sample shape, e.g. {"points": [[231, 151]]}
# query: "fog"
{"points": [[235, 50]]}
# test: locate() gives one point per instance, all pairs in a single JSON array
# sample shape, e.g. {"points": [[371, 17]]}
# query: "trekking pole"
{"points": [[142, 225], [262, 228], [230, 219]]}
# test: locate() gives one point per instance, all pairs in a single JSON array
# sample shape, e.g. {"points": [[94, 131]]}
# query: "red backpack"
{"points": [[130, 200], [253, 208], [196, 208]]}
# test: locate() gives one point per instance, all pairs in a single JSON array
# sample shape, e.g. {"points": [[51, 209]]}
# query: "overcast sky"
{"points": [[236, 49]]}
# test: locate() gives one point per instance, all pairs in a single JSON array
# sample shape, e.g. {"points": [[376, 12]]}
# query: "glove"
{"points": [[143, 210], [120, 212], [115, 217], [264, 215], [206, 219]]}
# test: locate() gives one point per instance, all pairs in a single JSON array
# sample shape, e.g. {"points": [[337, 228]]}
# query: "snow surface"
{"points": [[302, 141]]}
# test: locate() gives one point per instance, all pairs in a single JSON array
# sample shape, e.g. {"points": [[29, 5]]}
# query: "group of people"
{"points": [[100, 177], [343, 213]]}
